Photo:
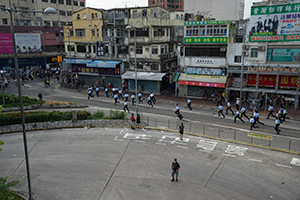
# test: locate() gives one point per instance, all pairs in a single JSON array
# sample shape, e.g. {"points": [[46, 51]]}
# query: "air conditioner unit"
{"points": [[223, 49], [246, 47], [246, 53], [261, 48], [87, 55], [131, 48], [147, 48]]}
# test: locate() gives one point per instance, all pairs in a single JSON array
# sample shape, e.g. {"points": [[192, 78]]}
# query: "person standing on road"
{"points": [[116, 99], [271, 110], [138, 121], [252, 123], [243, 110], [189, 103], [180, 130], [237, 115], [132, 99], [277, 124], [149, 101], [175, 170], [140, 97], [220, 111], [229, 108], [126, 107]]}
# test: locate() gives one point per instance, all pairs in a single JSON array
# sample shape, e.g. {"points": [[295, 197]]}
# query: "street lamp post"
{"points": [[242, 68], [11, 10], [135, 67]]}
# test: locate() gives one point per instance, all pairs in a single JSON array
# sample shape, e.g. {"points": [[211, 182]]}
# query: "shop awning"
{"points": [[143, 76], [78, 61], [176, 77], [103, 64], [202, 80]]}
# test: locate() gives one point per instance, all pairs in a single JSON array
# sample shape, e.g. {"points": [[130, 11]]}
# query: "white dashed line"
{"points": [[229, 155], [183, 147], [141, 141], [286, 166], [160, 143], [204, 151], [255, 160], [121, 131], [121, 140]]}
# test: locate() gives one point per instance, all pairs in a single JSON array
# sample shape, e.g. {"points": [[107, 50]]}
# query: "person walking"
{"points": [[106, 92], [152, 98], [97, 91], [277, 124], [116, 99], [243, 110], [126, 96], [140, 97], [89, 94], [252, 123], [237, 103], [237, 115], [132, 99], [189, 103], [177, 111], [126, 107], [177, 92], [149, 101], [220, 111], [271, 110], [175, 170], [284, 115], [229, 108], [180, 130], [121, 95]]}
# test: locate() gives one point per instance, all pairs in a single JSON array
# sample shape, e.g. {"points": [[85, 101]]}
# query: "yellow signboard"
{"points": [[261, 136]]}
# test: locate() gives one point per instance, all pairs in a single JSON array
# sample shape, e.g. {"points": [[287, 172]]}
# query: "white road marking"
{"points": [[231, 149], [180, 143], [79, 97], [121, 140], [255, 160], [286, 166], [162, 131], [229, 155], [143, 129], [206, 146], [105, 128], [295, 161], [121, 131], [183, 147], [204, 151], [137, 136], [141, 141], [160, 143]]}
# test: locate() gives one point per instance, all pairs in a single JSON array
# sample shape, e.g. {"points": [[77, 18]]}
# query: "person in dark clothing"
{"points": [[177, 92], [229, 108], [237, 116], [40, 95], [252, 123], [180, 130], [243, 112], [175, 169], [126, 107], [138, 121]]}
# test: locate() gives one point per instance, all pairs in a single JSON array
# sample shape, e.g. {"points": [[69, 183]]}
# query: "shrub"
{"points": [[98, 115], [115, 114], [82, 115]]}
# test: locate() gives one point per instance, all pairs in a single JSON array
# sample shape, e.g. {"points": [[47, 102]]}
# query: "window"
{"points": [[154, 66], [53, 1], [140, 32], [177, 16], [61, 1], [112, 32], [55, 23], [93, 15], [254, 52], [82, 4], [134, 14], [63, 23], [119, 32], [45, 1], [68, 2], [163, 14], [81, 48], [46, 23], [139, 50], [154, 14], [69, 13], [238, 39], [78, 16], [96, 15], [62, 13], [159, 32], [105, 33], [237, 59], [4, 21], [97, 32], [71, 48], [155, 50], [80, 32], [144, 13], [84, 16], [2, 8], [75, 3], [162, 50]]}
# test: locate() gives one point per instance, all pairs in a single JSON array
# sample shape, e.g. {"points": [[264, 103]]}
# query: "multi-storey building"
{"points": [[168, 4], [64, 8], [203, 58]]}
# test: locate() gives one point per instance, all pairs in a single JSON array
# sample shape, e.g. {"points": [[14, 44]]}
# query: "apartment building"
{"points": [[171, 5]]}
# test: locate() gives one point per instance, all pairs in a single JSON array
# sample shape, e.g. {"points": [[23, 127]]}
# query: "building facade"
{"points": [[64, 9], [171, 5]]}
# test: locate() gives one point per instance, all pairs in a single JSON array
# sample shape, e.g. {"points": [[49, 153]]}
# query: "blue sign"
{"points": [[100, 49]]}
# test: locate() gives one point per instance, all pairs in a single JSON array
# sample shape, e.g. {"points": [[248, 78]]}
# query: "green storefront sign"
{"points": [[206, 22], [205, 40], [275, 38], [277, 9], [286, 55]]}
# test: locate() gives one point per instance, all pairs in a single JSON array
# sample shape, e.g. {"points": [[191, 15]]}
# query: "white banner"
{"points": [[28, 42]]}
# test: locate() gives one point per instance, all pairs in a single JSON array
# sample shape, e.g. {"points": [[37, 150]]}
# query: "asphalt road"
{"points": [[122, 164], [163, 110]]}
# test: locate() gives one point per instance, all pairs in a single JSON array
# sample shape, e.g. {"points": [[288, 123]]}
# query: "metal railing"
{"points": [[271, 141]]}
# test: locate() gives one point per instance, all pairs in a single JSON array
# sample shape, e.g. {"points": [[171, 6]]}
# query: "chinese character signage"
{"points": [[285, 55], [278, 23], [6, 43], [205, 40], [205, 71], [270, 80], [82, 68], [28, 42], [206, 22], [100, 49]]}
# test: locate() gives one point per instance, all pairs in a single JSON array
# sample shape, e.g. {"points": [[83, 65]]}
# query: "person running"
{"points": [[180, 130], [97, 91], [89, 94], [279, 114], [113, 90], [152, 98], [149, 101], [189, 104], [175, 170], [220, 111], [106, 92], [126, 96], [284, 115], [271, 110], [243, 110], [116, 99], [121, 95], [237, 115], [256, 117], [140, 97], [126, 107], [277, 124], [237, 103], [177, 111], [138, 121], [252, 123], [132, 99], [229, 108]]}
